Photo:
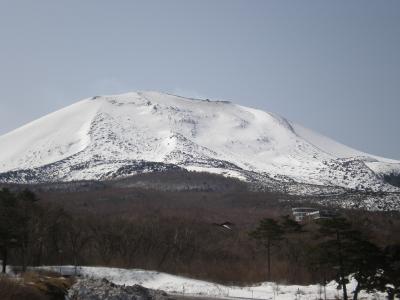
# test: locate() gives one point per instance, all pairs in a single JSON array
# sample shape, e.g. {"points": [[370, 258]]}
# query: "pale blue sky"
{"points": [[333, 66]]}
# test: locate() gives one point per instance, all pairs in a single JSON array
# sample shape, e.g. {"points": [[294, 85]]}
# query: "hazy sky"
{"points": [[333, 66]]}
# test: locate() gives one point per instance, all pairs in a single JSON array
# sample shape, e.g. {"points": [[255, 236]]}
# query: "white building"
{"points": [[303, 214]]}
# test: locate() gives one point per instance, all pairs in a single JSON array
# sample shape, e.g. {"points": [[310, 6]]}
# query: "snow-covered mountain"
{"points": [[113, 136]]}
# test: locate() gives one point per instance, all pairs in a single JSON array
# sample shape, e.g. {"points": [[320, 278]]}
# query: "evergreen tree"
{"points": [[294, 246], [290, 226], [319, 266], [389, 279], [269, 233], [337, 237], [28, 211], [9, 225], [365, 260], [17, 213]]}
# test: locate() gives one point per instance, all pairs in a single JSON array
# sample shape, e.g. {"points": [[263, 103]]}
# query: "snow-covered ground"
{"points": [[104, 137], [182, 285]]}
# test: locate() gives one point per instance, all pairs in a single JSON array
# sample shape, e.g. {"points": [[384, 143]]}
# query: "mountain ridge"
{"points": [[114, 136]]}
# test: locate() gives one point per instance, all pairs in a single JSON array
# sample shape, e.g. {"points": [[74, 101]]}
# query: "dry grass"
{"points": [[13, 289], [34, 286]]}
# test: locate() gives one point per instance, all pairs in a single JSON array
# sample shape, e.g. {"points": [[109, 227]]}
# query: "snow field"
{"points": [[186, 286]]}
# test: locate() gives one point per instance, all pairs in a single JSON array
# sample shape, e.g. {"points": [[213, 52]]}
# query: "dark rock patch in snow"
{"points": [[102, 289], [393, 179]]}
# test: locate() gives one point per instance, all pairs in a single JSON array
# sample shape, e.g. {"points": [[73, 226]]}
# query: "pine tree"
{"points": [[290, 226], [389, 280], [269, 233], [27, 210], [336, 245], [17, 212], [293, 245], [9, 224], [365, 260]]}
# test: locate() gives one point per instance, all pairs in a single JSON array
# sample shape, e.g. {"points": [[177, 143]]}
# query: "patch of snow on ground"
{"points": [[219, 171], [186, 286]]}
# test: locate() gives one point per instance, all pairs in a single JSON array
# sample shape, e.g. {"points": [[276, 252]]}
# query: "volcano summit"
{"points": [[107, 137]]}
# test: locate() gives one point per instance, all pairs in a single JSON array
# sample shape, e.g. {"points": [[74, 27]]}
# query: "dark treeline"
{"points": [[142, 230], [334, 249]]}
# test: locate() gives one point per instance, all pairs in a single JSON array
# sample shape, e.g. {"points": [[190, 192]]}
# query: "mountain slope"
{"points": [[113, 136]]}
